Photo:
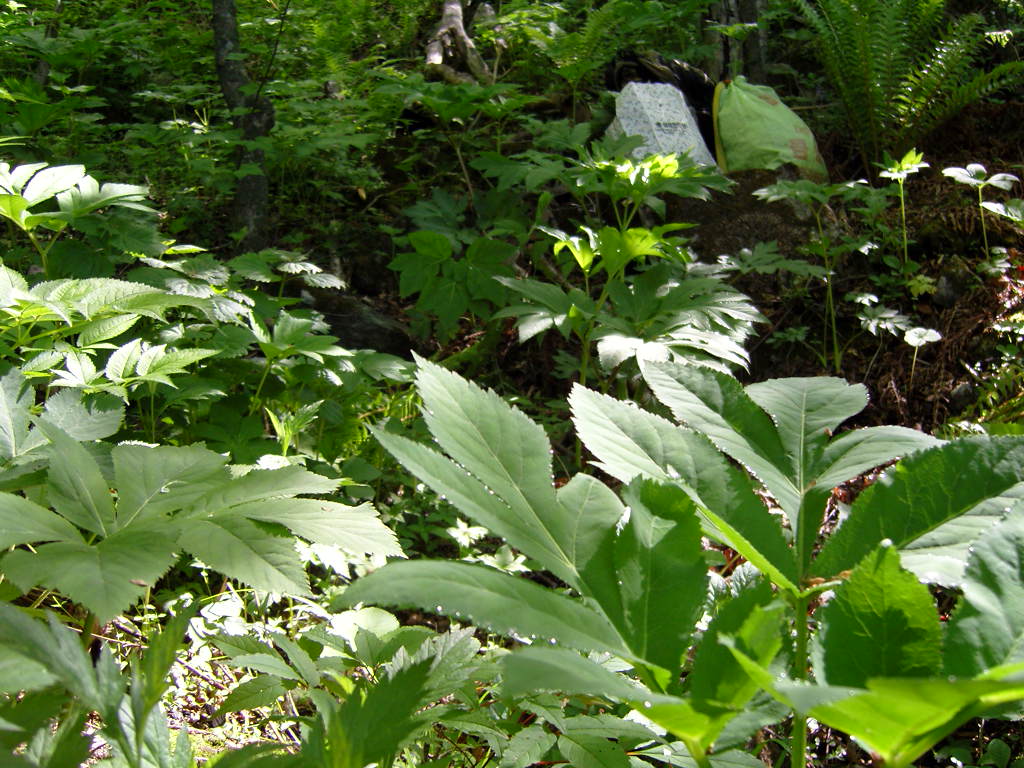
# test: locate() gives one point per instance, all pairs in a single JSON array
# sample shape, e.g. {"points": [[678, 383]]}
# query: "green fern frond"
{"points": [[577, 53], [925, 91], [1008, 75], [895, 81]]}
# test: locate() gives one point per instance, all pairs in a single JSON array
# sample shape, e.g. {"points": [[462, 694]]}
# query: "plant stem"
{"points": [[259, 387], [984, 231], [798, 734], [903, 222], [700, 757], [462, 166]]}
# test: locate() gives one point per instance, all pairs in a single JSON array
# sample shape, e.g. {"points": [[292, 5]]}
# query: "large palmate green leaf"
{"points": [[932, 506], [235, 546], [721, 689], [779, 431], [641, 565], [631, 442], [987, 629], [500, 446], [881, 623], [16, 396], [169, 498], [490, 598], [662, 573], [499, 474], [539, 668], [897, 718], [715, 404], [163, 478], [355, 529], [105, 577], [263, 484], [25, 522], [76, 487]]}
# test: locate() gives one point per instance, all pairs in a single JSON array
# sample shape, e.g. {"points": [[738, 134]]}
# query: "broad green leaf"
{"points": [[881, 623], [238, 548], [719, 686], [627, 440], [592, 751], [788, 452], [299, 659], [541, 668], [986, 630], [354, 529], [54, 646], [25, 522], [164, 478], [487, 597], [547, 295], [174, 361], [715, 404], [499, 451], [931, 505], [82, 417], [858, 451], [662, 573], [596, 511], [122, 361], [267, 663], [20, 674], [454, 659], [105, 328], [470, 497], [75, 484], [12, 283], [261, 691], [806, 411], [261, 484], [431, 246], [500, 446], [901, 718], [628, 733], [372, 729], [48, 182], [756, 625], [16, 396], [14, 208], [106, 577], [88, 196], [527, 747], [631, 442]]}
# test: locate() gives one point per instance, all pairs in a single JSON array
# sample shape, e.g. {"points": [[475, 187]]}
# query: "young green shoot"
{"points": [[974, 175], [917, 337], [898, 172]]}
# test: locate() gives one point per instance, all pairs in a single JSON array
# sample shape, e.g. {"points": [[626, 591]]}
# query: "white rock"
{"points": [[659, 113]]}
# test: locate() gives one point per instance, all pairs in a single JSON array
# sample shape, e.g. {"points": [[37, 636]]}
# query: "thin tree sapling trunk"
{"points": [[253, 115]]}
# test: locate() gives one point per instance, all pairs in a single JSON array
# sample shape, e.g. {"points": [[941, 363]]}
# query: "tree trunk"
{"points": [[451, 51], [733, 57], [253, 116]]}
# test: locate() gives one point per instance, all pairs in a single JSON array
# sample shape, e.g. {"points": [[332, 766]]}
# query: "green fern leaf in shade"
{"points": [[896, 76]]}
